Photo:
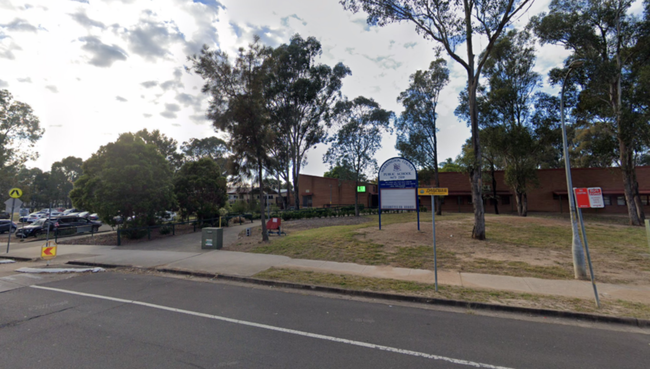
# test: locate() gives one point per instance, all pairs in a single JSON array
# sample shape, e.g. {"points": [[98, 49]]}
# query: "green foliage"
{"points": [[344, 173], [210, 147], [166, 146], [19, 131], [238, 106], [300, 93], [416, 126], [126, 178], [362, 123], [200, 189]]}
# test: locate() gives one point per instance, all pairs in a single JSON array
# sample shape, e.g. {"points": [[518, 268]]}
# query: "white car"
{"points": [[31, 218]]}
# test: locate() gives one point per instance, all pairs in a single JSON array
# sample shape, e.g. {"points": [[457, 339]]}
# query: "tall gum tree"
{"points": [[451, 24], [362, 124], [300, 94], [417, 138], [604, 38], [238, 108]]}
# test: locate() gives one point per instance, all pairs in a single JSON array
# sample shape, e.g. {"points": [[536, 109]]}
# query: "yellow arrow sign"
{"points": [[433, 191], [15, 193], [48, 252]]}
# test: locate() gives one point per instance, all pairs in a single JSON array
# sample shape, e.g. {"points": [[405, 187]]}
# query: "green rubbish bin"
{"points": [[212, 238]]}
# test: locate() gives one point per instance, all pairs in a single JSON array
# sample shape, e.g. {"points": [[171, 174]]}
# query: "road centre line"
{"points": [[279, 329]]}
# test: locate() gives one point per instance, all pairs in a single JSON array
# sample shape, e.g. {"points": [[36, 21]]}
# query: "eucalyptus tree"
{"points": [[605, 38], [362, 124], [507, 110], [300, 93], [19, 131], [417, 139], [238, 106], [210, 147], [451, 24]]}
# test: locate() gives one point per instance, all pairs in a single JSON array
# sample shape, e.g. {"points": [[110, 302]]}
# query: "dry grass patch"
{"points": [[537, 247], [612, 308]]}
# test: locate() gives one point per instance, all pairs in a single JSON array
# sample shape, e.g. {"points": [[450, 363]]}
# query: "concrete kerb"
{"points": [[640, 323]]}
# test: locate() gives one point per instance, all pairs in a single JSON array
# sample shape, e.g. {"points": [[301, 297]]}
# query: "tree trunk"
{"points": [[494, 189], [478, 232], [265, 235], [524, 205], [519, 199], [356, 198], [296, 186], [627, 169], [637, 200]]}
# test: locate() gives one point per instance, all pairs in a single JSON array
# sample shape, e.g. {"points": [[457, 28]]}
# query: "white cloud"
{"points": [[100, 54]]}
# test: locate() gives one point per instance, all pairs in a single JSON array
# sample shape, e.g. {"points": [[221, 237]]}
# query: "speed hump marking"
{"points": [[15, 193], [438, 191], [48, 251]]}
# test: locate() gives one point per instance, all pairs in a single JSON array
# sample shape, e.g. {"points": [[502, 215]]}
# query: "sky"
{"points": [[93, 69]]}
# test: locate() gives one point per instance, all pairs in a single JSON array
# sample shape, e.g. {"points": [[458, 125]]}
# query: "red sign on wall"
{"points": [[591, 197]]}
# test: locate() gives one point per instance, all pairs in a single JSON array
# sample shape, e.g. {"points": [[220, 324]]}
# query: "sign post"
{"points": [[434, 192], [398, 182], [591, 197], [14, 193]]}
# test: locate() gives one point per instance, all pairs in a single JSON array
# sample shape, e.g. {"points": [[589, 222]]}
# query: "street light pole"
{"points": [[579, 268]]}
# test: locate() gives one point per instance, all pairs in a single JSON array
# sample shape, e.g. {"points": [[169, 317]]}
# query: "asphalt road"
{"points": [[116, 320]]}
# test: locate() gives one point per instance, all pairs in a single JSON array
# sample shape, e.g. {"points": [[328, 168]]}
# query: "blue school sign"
{"points": [[398, 184]]}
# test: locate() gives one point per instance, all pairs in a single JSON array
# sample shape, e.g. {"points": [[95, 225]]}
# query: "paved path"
{"points": [[184, 253]]}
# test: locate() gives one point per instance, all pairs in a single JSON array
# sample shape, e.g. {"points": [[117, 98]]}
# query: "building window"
{"points": [[644, 200], [460, 200], [469, 200], [505, 200], [442, 200], [307, 201], [620, 200], [270, 197], [607, 200]]}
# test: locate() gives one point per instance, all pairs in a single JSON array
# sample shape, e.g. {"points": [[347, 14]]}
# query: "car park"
{"points": [[31, 218], [7, 226], [64, 222]]}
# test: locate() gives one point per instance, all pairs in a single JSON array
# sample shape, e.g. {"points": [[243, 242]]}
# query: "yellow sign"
{"points": [[438, 191], [15, 193], [48, 252]]}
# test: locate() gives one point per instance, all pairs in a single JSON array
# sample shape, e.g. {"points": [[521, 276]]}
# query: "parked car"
{"points": [[5, 215], [93, 216], [68, 211], [31, 218], [7, 226], [83, 214], [42, 225], [67, 221]]}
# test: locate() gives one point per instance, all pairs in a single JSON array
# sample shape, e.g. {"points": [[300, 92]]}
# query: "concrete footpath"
{"points": [[188, 256]]}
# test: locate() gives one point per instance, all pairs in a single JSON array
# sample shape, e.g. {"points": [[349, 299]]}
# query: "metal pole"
{"points": [[591, 269], [435, 256], [11, 222], [417, 206], [576, 245]]}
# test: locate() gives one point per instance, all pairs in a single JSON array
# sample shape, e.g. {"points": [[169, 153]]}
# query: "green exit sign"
{"points": [[361, 188]]}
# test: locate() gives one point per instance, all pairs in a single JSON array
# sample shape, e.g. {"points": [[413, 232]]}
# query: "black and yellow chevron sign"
{"points": [[15, 193]]}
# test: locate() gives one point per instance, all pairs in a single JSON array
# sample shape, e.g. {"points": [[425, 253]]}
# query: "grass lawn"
{"points": [[534, 246], [614, 308]]}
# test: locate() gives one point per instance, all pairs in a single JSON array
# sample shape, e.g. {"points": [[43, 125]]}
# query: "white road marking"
{"points": [[279, 329]]}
